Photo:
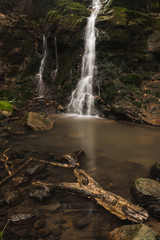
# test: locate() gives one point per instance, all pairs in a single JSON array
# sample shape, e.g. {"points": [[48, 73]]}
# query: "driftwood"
{"points": [[88, 187], [25, 162]]}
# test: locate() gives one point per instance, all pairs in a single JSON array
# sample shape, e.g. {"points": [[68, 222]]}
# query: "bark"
{"points": [[88, 187]]}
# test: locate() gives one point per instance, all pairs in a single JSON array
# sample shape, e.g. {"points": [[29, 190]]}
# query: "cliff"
{"points": [[128, 54]]}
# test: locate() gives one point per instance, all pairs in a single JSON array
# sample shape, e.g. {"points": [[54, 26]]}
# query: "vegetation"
{"points": [[6, 106], [132, 78]]}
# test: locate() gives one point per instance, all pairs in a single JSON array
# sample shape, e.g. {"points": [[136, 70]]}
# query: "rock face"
{"points": [[39, 121], [6, 109], [146, 192], [133, 232], [128, 54], [155, 171]]}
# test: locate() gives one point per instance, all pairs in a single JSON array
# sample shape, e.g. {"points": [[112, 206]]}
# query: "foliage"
{"points": [[109, 92], [132, 78], [6, 106]]}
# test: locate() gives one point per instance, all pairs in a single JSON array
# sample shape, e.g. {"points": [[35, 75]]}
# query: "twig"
{"points": [[6, 179]]}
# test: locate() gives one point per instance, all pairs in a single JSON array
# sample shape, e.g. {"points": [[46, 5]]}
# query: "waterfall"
{"points": [[82, 99], [39, 75], [54, 72]]}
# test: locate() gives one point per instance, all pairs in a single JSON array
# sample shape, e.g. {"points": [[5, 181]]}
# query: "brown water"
{"points": [[116, 154]]}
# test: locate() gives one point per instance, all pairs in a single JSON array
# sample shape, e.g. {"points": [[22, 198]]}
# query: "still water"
{"points": [[117, 153]]}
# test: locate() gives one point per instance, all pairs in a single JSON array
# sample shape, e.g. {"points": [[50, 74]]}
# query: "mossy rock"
{"points": [[132, 78], [6, 106], [109, 91], [146, 192], [133, 232], [67, 16]]}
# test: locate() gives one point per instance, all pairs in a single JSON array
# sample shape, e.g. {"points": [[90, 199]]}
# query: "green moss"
{"points": [[132, 78], [68, 15], [157, 94], [109, 91], [118, 111], [137, 104], [156, 23], [6, 106]]}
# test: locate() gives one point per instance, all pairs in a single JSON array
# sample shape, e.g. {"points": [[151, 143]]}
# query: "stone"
{"points": [[81, 223], [34, 168], [133, 232], [39, 224], [22, 218], [19, 180], [154, 43], [12, 197], [43, 232], [40, 194], [56, 232], [146, 192], [155, 171], [39, 121]]}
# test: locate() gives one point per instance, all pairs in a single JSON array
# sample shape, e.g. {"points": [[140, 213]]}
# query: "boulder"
{"points": [[22, 218], [39, 121], [133, 232], [155, 171], [40, 194], [146, 192], [6, 109]]}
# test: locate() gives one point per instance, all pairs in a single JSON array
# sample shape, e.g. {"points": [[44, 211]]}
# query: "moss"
{"points": [[137, 104], [119, 111], [68, 15], [157, 94], [132, 78], [109, 91], [6, 106]]}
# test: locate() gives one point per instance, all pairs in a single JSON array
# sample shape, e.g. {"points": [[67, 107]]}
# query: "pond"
{"points": [[116, 154]]}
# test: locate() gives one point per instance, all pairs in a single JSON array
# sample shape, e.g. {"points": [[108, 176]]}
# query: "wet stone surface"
{"points": [[146, 192], [40, 193], [155, 171]]}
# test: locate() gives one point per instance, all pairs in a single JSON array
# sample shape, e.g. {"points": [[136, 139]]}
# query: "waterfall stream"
{"points": [[54, 72], [82, 99], [39, 75]]}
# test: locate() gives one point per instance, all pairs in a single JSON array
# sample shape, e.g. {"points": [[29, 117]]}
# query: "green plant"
{"points": [[2, 232]]}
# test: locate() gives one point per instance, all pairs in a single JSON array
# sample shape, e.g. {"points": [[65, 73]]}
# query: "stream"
{"points": [[116, 154]]}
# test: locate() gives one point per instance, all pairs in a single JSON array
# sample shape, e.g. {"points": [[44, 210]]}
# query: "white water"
{"points": [[39, 75], [82, 99], [54, 72]]}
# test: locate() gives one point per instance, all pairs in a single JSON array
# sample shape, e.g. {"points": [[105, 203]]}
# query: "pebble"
{"points": [[39, 224]]}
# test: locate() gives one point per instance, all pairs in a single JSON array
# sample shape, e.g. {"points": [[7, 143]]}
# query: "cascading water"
{"points": [[82, 99], [39, 75], [54, 72]]}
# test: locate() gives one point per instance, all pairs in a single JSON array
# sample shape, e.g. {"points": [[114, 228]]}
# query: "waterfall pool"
{"points": [[116, 154]]}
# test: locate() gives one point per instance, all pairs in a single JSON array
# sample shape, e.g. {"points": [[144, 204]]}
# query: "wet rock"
{"points": [[155, 171], [12, 197], [146, 192], [154, 43], [19, 180], [34, 168], [39, 121], [39, 224], [133, 232], [81, 223], [43, 232], [6, 109], [22, 218], [40, 194], [57, 232]]}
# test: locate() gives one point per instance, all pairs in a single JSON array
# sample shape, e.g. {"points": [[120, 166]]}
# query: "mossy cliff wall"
{"points": [[128, 53]]}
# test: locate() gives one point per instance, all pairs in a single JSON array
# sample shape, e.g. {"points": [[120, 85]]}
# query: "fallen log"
{"points": [[88, 187]]}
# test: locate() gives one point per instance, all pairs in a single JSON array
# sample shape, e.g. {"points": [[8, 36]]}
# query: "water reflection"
{"points": [[117, 153]]}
